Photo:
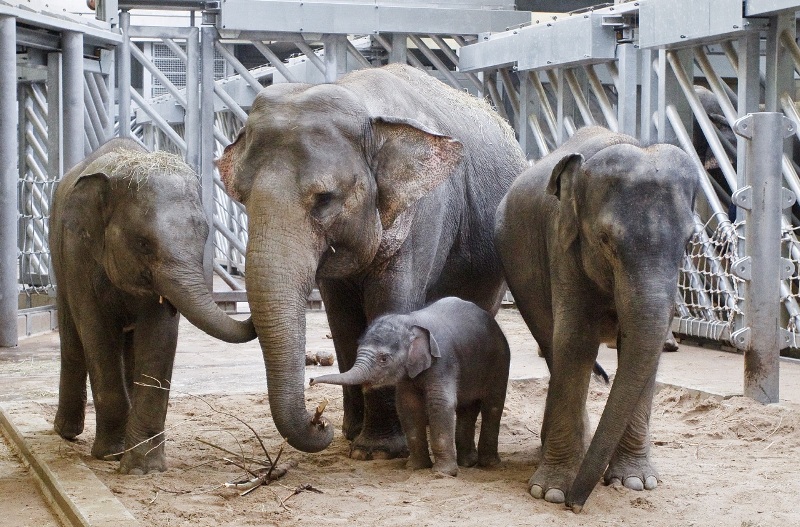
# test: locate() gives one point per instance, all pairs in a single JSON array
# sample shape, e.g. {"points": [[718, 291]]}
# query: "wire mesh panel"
{"points": [[36, 188]]}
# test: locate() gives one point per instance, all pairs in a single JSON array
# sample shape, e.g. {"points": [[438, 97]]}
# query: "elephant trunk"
{"points": [[190, 296], [644, 319], [280, 274], [358, 374]]}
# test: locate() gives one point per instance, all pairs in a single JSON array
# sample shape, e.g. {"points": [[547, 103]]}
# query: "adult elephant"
{"points": [[591, 238], [127, 232], [381, 188]]}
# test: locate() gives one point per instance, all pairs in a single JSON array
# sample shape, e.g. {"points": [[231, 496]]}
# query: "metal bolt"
{"points": [[735, 26], [683, 36]]}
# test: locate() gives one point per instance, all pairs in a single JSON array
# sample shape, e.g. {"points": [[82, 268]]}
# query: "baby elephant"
{"points": [[449, 362]]}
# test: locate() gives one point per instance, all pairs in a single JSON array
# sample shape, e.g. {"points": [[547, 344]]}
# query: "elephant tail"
{"points": [[600, 372]]}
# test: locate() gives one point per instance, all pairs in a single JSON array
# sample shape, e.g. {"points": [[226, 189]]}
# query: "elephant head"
{"points": [[390, 351], [626, 212], [141, 215], [329, 191]]}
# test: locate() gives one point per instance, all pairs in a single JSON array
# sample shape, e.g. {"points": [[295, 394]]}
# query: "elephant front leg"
{"points": [[154, 342], [72, 398], [414, 419], [564, 437], [382, 436], [630, 465], [442, 418]]}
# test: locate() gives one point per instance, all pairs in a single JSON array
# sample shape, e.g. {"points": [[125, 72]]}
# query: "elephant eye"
{"points": [[383, 358], [143, 245], [605, 238], [322, 199]]}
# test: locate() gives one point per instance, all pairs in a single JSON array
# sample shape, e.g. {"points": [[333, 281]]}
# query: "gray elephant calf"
{"points": [[591, 238], [127, 232], [449, 362]]}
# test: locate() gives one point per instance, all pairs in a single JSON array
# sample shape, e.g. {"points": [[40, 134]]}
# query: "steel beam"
{"points": [[72, 89], [763, 199], [9, 178]]}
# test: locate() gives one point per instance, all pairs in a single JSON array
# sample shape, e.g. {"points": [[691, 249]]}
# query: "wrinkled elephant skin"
{"points": [[127, 236], [381, 188], [591, 238]]}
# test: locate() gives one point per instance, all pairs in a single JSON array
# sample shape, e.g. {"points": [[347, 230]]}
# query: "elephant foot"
{"points": [[68, 427], [488, 460], [366, 448], [108, 447], [468, 458], [419, 462], [446, 468], [632, 472], [551, 482], [147, 457]]}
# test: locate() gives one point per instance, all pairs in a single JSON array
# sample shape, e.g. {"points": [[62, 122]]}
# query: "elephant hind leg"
{"points": [[466, 415], [72, 395]]}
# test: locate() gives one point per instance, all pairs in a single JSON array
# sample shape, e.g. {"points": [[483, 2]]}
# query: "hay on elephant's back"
{"points": [[457, 100], [137, 167]]}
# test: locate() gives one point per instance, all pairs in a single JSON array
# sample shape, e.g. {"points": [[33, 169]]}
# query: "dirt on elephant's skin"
{"points": [[722, 462]]}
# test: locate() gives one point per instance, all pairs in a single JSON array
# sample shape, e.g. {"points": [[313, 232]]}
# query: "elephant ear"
{"points": [[410, 162], [85, 208], [226, 164], [423, 347], [563, 185]]}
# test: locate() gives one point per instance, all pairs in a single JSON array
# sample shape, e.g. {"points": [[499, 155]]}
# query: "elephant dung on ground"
{"points": [[591, 238], [127, 232], [449, 362], [381, 188]]}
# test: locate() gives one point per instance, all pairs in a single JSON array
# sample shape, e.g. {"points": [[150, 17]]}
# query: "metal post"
{"points": [[748, 72], [191, 119], [669, 92], [399, 51], [9, 178], [124, 75], [55, 131], [779, 76], [335, 57], [208, 34], [649, 101], [526, 141], [72, 89], [626, 98], [763, 198]]}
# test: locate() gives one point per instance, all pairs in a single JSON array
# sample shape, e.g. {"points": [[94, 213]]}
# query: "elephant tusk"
{"points": [[333, 250], [160, 299]]}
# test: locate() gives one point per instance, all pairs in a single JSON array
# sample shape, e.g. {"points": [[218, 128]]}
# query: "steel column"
{"points": [[191, 134], [208, 34], [335, 57], [124, 75], [626, 88], [9, 178], [72, 89], [763, 199], [399, 51]]}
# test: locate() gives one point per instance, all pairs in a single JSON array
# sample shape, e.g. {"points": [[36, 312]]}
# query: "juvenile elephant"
{"points": [[127, 231], [449, 362], [380, 187], [591, 238]]}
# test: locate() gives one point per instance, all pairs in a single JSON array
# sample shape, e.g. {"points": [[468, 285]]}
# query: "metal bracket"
{"points": [[787, 268], [742, 268], [790, 127], [743, 198], [744, 126], [788, 198], [787, 337], [741, 338]]}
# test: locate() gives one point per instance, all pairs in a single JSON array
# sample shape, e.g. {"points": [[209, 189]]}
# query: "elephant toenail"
{"points": [[615, 483], [537, 491], [554, 496], [634, 483], [651, 482]]}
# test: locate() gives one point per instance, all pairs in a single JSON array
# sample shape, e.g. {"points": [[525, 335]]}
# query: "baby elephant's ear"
{"points": [[423, 347]]}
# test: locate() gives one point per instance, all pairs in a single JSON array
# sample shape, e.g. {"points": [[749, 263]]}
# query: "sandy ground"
{"points": [[722, 462]]}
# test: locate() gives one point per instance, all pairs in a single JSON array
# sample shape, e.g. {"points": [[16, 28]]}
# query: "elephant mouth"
{"points": [[163, 300]]}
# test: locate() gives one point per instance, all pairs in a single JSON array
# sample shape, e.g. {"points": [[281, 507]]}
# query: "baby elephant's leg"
{"points": [[466, 415], [414, 420], [442, 419], [491, 412]]}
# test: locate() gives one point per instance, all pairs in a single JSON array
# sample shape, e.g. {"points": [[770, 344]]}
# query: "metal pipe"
{"points": [[229, 101], [208, 34], [158, 74], [72, 88], [124, 75], [357, 54], [191, 120], [162, 124], [511, 92], [239, 67], [303, 46], [602, 99], [578, 97], [547, 110], [436, 61], [9, 178], [765, 133]]}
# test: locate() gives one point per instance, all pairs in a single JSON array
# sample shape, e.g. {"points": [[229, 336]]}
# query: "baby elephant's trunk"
{"points": [[358, 374]]}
